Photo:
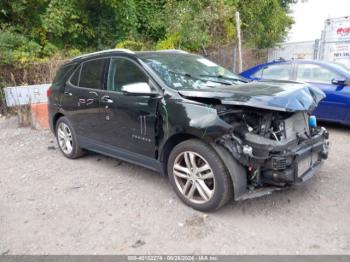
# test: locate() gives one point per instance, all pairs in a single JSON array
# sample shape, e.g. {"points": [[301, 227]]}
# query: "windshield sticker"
{"points": [[177, 85], [206, 62]]}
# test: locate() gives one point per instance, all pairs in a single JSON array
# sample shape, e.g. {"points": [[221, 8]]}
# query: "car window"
{"points": [[74, 80], [122, 72], [61, 74], [91, 75], [277, 71], [315, 73]]}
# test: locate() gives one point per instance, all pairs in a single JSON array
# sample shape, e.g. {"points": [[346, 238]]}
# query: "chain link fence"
{"points": [[226, 56]]}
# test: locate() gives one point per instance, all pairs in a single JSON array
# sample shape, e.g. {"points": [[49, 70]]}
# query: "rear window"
{"points": [[315, 74], [63, 73], [75, 78]]}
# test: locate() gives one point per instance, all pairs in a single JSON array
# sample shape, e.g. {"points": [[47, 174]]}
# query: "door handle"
{"points": [[68, 93], [107, 99], [93, 93]]}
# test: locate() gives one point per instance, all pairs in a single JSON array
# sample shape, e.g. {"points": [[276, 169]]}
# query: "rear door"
{"points": [[334, 107], [82, 98]]}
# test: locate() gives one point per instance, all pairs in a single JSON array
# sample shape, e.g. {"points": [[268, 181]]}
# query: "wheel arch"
{"points": [[168, 147], [55, 118]]}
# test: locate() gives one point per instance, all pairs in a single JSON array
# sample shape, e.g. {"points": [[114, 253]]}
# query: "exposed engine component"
{"points": [[277, 126], [266, 143]]}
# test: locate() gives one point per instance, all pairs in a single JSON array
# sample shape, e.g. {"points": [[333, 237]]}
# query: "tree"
{"points": [[36, 29], [264, 22]]}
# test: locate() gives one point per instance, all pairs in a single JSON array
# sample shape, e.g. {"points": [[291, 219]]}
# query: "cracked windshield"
{"points": [[185, 71]]}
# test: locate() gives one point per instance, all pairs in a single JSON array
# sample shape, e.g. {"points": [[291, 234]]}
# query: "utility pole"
{"points": [[239, 42]]}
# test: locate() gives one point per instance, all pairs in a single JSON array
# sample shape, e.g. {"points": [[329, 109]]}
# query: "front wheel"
{"points": [[198, 176]]}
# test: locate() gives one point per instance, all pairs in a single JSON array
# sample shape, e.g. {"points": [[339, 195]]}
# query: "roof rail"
{"points": [[173, 50], [105, 51]]}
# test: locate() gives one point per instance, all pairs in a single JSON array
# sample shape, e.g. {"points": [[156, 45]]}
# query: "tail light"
{"points": [[49, 92]]}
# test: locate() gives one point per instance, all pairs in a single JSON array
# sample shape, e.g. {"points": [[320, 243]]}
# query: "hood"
{"points": [[272, 95]]}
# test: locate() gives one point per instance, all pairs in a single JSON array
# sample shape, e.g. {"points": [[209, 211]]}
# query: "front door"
{"points": [[335, 106], [129, 121], [280, 71], [82, 98]]}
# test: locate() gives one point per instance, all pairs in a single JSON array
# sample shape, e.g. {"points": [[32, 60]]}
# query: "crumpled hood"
{"points": [[273, 95]]}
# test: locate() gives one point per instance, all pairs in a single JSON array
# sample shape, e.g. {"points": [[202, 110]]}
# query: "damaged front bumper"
{"points": [[273, 165]]}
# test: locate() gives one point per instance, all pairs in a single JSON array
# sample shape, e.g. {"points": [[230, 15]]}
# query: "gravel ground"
{"points": [[99, 205]]}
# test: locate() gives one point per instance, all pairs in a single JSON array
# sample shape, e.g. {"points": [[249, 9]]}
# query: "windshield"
{"points": [[188, 71]]}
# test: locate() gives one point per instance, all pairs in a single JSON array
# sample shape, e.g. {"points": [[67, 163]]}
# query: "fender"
{"points": [[237, 172]]}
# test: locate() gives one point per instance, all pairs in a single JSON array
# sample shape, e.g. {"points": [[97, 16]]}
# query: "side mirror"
{"points": [[138, 89], [339, 81]]}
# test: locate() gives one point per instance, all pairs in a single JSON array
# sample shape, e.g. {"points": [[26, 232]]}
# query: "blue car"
{"points": [[333, 79]]}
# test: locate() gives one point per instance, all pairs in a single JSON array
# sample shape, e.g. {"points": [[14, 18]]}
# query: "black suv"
{"points": [[214, 135]]}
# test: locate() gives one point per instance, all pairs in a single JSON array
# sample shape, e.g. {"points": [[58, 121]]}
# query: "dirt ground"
{"points": [[99, 205]]}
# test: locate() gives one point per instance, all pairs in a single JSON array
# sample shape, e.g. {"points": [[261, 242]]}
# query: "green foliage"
{"points": [[49, 50], [72, 52], [193, 25], [170, 42], [151, 17], [32, 30], [28, 52], [264, 22], [132, 44], [285, 4]]}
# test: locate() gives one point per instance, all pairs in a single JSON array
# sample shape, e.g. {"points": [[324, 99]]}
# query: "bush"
{"points": [[132, 44], [49, 50], [29, 52], [10, 41], [170, 42], [72, 53]]}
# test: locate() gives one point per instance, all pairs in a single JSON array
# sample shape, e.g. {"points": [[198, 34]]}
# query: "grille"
{"points": [[279, 163]]}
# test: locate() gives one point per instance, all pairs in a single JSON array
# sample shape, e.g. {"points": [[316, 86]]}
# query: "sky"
{"points": [[309, 17]]}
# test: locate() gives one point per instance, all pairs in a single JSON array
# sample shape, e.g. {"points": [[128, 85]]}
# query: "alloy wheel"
{"points": [[194, 177], [65, 139]]}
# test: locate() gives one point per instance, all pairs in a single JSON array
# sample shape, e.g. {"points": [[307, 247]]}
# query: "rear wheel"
{"points": [[67, 139], [198, 176]]}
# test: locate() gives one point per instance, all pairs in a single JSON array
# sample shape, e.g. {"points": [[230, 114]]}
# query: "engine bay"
{"points": [[270, 143], [273, 125]]}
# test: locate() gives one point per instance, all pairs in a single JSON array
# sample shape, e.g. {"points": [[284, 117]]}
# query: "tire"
{"points": [[207, 168], [64, 125]]}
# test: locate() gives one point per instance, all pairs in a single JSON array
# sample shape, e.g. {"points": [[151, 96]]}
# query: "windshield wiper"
{"points": [[198, 78], [226, 78], [185, 74]]}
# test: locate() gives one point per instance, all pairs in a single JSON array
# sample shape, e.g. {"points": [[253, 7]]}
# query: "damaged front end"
{"points": [[277, 148], [270, 134]]}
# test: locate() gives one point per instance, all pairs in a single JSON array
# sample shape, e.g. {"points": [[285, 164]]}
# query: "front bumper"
{"points": [[274, 165], [296, 165]]}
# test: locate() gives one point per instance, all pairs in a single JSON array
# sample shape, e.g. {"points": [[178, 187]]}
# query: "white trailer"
{"points": [[335, 41], [333, 46]]}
